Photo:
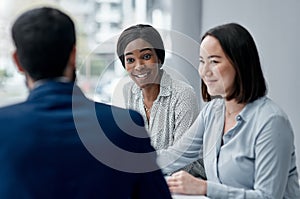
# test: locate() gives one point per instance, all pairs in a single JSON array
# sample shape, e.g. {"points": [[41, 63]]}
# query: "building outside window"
{"points": [[98, 24]]}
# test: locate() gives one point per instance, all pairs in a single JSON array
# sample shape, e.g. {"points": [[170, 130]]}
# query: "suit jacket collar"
{"points": [[53, 88]]}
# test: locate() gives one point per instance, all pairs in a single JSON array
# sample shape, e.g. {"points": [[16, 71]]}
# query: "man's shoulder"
{"points": [[103, 108], [123, 127], [118, 117], [14, 110]]}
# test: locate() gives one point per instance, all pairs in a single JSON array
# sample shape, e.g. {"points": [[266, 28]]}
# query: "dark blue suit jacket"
{"points": [[58, 144]]}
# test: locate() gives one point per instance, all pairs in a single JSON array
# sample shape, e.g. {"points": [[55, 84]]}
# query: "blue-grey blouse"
{"points": [[256, 160]]}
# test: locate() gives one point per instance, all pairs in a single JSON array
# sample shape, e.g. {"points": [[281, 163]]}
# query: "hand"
{"points": [[183, 183]]}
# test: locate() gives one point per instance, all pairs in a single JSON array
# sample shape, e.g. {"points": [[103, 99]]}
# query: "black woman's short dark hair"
{"points": [[44, 38], [141, 31], [239, 47]]}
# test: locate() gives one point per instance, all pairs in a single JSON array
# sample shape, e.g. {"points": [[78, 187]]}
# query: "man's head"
{"points": [[45, 43]]}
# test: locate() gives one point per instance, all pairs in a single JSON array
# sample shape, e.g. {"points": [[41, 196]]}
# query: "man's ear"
{"points": [[71, 66], [17, 62], [72, 58]]}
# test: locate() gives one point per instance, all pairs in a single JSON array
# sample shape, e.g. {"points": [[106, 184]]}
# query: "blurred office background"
{"points": [[274, 25]]}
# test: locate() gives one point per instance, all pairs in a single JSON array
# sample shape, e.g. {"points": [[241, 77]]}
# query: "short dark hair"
{"points": [[239, 47], [141, 31], [44, 38]]}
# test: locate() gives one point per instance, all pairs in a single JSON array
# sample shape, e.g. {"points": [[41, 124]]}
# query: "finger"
{"points": [[175, 179], [178, 173], [176, 189], [172, 183]]}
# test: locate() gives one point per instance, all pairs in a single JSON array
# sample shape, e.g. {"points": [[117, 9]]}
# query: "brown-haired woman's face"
{"points": [[215, 68], [142, 63]]}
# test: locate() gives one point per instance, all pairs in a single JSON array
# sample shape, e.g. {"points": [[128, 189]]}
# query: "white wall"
{"points": [[275, 27]]}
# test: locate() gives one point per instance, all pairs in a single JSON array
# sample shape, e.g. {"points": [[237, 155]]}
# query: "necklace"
{"points": [[230, 113], [235, 111], [147, 109]]}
